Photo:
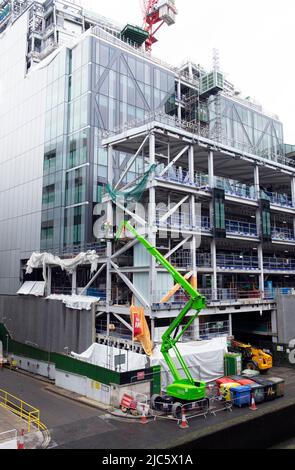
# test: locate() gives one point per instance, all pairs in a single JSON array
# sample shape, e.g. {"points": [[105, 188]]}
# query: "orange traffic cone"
{"points": [[143, 419], [253, 406], [21, 442], [184, 423]]}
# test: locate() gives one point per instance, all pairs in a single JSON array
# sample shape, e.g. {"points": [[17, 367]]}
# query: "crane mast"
{"points": [[156, 13]]}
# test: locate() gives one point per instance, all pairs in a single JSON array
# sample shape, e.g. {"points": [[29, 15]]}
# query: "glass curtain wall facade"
{"points": [[92, 88], [247, 129], [54, 152]]}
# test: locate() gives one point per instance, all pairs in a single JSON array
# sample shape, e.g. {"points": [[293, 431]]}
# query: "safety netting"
{"points": [[135, 192]]}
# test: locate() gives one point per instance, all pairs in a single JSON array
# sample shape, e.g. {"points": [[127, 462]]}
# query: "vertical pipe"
{"points": [[274, 325], [214, 267], [259, 229], [194, 279], [49, 278], [152, 329], [179, 99], [109, 243], [213, 243], [293, 200], [261, 268], [211, 184], [257, 181], [211, 169], [152, 220], [74, 282], [230, 319]]}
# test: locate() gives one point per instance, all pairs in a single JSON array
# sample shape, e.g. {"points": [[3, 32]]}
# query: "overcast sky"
{"points": [[255, 39]]}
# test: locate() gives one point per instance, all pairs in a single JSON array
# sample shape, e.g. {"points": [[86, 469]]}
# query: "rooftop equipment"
{"points": [[211, 84], [134, 34]]}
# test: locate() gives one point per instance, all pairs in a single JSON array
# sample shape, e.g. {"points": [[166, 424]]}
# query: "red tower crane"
{"points": [[155, 14]]}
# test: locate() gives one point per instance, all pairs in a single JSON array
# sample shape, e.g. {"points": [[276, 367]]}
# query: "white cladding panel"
{"points": [[22, 121]]}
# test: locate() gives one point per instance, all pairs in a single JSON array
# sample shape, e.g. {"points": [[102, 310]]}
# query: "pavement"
{"points": [[9, 421], [76, 425]]}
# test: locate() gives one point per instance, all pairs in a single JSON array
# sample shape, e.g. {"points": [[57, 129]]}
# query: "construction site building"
{"points": [[83, 104]]}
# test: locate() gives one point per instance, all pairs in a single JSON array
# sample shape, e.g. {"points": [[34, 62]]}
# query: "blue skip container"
{"points": [[241, 396]]}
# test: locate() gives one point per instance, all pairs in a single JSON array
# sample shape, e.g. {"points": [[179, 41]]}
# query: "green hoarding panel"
{"points": [[61, 361]]}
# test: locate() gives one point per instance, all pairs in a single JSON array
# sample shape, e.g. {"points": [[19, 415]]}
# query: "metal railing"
{"points": [[213, 296], [116, 329], [183, 259], [270, 294], [279, 233], [22, 409], [74, 250], [209, 330], [179, 175], [206, 132], [231, 187], [91, 292], [279, 264], [182, 220], [235, 188], [237, 262], [204, 260], [278, 199], [241, 228]]}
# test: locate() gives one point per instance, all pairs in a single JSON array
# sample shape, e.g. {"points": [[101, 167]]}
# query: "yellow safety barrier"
{"points": [[21, 409]]}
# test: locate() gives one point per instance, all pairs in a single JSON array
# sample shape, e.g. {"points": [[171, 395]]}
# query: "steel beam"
{"points": [[123, 321], [174, 160], [130, 285], [174, 209], [131, 161], [93, 279], [177, 247], [124, 249]]}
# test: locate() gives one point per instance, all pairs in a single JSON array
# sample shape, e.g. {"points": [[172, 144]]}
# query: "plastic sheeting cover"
{"points": [[104, 356], [204, 359], [44, 259], [75, 302]]}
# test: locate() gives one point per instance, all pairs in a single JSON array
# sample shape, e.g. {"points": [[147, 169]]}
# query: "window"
{"points": [[50, 160], [76, 186], [74, 225], [48, 194]]}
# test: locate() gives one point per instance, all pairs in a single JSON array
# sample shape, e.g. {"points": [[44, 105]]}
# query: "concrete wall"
{"points": [[45, 369], [46, 324], [83, 386], [286, 318]]}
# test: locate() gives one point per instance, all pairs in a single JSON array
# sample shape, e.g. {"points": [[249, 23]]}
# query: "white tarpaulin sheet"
{"points": [[75, 302], [204, 359], [44, 259], [105, 356], [35, 288]]}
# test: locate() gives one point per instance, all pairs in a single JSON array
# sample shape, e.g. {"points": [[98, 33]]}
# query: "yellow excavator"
{"points": [[252, 358]]}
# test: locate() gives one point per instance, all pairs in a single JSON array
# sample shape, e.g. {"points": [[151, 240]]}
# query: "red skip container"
{"points": [[224, 380], [245, 382]]}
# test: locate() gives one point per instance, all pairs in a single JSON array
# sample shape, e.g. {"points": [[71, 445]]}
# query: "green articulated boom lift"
{"points": [[184, 390]]}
